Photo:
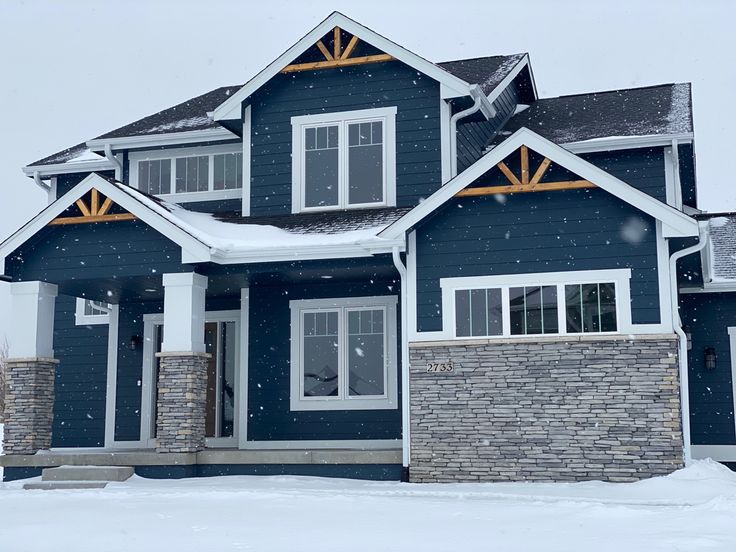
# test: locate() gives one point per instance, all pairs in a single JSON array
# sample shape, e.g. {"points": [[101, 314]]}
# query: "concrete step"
{"points": [[64, 485], [87, 473]]}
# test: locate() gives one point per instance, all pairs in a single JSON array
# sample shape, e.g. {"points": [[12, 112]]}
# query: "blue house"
{"points": [[364, 264]]}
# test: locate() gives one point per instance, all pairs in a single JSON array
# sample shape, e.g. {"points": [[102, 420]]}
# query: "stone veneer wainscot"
{"points": [[546, 409]]}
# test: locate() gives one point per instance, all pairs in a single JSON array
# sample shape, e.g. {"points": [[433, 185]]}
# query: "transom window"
{"points": [[190, 174], [344, 160], [498, 306], [90, 312], [343, 354]]}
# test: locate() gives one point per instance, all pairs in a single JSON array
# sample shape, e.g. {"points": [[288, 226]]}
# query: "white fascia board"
{"points": [[452, 86], [674, 222], [508, 79], [612, 143], [195, 250], [68, 168], [168, 139]]}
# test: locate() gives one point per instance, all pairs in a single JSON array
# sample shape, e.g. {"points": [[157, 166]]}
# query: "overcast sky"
{"points": [[74, 69]]}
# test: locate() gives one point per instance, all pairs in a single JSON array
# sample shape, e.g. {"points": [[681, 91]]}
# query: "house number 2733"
{"points": [[440, 367]]}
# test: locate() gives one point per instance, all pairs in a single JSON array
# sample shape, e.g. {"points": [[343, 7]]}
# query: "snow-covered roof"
{"points": [[655, 110], [722, 247], [486, 72], [76, 154]]}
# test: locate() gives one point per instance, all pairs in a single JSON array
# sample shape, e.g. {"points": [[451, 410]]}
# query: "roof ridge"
{"points": [[614, 90]]}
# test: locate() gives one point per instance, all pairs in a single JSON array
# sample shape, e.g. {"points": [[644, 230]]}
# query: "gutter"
{"points": [[477, 95], [405, 405], [114, 160], [40, 183], [682, 354]]}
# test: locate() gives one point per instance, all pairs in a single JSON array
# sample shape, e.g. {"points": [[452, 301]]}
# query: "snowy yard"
{"points": [[691, 510]]}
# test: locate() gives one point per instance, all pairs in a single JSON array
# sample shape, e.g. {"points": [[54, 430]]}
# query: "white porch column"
{"points": [[29, 385], [184, 310], [32, 313], [182, 374]]}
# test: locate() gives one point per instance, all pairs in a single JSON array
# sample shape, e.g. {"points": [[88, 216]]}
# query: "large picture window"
{"points": [[556, 303], [343, 354], [344, 160], [213, 172]]}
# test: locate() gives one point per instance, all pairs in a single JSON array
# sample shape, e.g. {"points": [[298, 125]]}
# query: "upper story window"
{"points": [[191, 174], [344, 160], [582, 302]]}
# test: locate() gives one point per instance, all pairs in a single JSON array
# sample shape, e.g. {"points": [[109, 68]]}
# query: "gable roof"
{"points": [[675, 223], [204, 237], [451, 85], [654, 110], [487, 72]]}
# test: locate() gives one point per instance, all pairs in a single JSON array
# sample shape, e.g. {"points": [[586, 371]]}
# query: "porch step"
{"points": [[64, 485], [86, 474]]}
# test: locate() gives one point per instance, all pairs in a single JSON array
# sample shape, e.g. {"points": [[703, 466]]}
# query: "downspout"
{"points": [[114, 160], [405, 421], [478, 95], [39, 182], [677, 325]]}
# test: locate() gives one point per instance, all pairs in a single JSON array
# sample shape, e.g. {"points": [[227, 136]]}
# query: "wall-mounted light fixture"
{"points": [[688, 337], [710, 358], [135, 340]]}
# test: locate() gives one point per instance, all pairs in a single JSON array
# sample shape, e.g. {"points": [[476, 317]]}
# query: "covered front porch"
{"points": [[199, 368]]}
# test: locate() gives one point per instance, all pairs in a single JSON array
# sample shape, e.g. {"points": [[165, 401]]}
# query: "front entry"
{"points": [[222, 343]]}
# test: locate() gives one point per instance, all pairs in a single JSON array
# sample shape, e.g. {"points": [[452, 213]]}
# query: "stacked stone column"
{"points": [[29, 404], [182, 396]]}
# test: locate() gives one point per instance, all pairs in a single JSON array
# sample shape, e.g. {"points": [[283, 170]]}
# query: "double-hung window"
{"points": [[344, 160], [564, 303], [343, 354], [213, 172]]}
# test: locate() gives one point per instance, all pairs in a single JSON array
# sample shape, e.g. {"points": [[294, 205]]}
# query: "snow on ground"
{"points": [[691, 510]]}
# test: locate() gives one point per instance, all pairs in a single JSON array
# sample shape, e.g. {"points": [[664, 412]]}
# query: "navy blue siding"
{"points": [[641, 168], [65, 182], [81, 379], [687, 175], [269, 415], [418, 163], [709, 315], [536, 232]]}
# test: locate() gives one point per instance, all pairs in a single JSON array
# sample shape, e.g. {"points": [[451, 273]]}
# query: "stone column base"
{"points": [[29, 404], [182, 396]]}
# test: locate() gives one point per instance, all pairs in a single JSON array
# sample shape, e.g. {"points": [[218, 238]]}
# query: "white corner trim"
{"points": [[387, 115], [390, 399], [445, 140], [112, 376], [664, 284], [411, 285], [241, 399], [732, 351], [452, 85], [247, 130], [676, 223], [82, 319]]}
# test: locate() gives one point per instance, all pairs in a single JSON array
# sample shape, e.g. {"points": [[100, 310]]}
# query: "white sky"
{"points": [[75, 69]]}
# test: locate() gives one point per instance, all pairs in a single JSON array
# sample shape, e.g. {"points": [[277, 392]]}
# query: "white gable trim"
{"points": [[452, 86], [192, 249], [674, 223]]}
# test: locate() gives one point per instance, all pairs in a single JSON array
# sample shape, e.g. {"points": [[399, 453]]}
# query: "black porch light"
{"points": [[710, 358]]}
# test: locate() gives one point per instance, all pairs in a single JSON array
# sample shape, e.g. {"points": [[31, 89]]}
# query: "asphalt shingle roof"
{"points": [[486, 72]]}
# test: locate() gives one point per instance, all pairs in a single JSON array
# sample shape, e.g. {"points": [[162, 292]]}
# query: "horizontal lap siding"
{"points": [[81, 379], [65, 182], [641, 168], [711, 392], [269, 414], [418, 164], [530, 233]]}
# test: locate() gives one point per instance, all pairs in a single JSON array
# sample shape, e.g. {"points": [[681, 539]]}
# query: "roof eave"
{"points": [[163, 139], [53, 169], [611, 143]]}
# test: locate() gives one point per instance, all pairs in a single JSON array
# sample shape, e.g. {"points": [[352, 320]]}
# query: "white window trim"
{"points": [[389, 401], [175, 153], [150, 321], [82, 319], [386, 114], [732, 344], [620, 277]]}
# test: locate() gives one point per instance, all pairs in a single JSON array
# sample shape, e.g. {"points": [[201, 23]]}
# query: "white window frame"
{"points": [[620, 277], [298, 125], [390, 399], [176, 153], [83, 319]]}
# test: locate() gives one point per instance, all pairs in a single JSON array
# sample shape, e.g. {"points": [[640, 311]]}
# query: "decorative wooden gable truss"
{"points": [[98, 210], [337, 57], [523, 182]]}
